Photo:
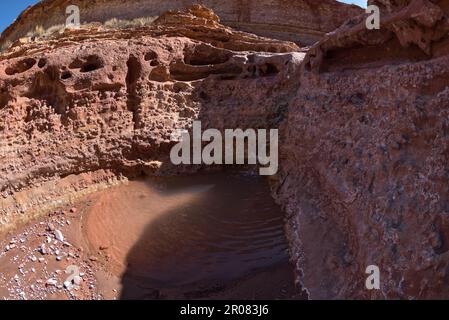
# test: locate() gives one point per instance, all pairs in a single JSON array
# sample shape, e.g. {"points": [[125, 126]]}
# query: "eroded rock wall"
{"points": [[107, 102], [365, 157], [301, 21]]}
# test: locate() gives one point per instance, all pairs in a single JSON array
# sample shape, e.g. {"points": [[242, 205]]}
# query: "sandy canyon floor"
{"points": [[204, 237]]}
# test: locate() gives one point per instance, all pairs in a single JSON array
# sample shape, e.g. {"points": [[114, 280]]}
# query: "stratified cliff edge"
{"points": [[365, 157], [301, 21]]}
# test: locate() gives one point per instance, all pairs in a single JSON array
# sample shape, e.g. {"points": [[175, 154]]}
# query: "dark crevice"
{"points": [[20, 66], [133, 98]]}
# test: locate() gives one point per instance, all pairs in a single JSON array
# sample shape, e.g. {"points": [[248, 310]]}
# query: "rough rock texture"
{"points": [[83, 108], [364, 119], [365, 157], [301, 21]]}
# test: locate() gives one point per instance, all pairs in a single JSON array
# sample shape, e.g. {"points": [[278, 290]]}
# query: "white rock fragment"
{"points": [[43, 249], [67, 285], [59, 236], [52, 282], [77, 280]]}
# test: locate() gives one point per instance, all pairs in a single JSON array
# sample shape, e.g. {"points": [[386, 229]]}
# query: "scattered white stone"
{"points": [[58, 258], [67, 284], [43, 249], [52, 282], [77, 280], [59, 236]]}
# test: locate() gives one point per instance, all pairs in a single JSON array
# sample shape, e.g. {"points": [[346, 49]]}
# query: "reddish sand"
{"points": [[212, 237]]}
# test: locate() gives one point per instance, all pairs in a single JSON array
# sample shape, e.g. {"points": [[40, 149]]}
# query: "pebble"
{"points": [[59, 236], [43, 249], [52, 282], [77, 280], [67, 284]]}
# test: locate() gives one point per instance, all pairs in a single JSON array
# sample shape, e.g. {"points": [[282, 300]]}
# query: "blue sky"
{"points": [[361, 3], [10, 9]]}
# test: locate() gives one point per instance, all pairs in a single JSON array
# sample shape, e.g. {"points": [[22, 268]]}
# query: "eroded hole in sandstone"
{"points": [[20, 66], [134, 72], [42, 63], [87, 64], [203, 55], [151, 55], [5, 97], [182, 236], [160, 74], [66, 75], [185, 72], [47, 88]]}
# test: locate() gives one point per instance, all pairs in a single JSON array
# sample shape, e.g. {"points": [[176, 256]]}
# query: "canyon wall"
{"points": [[365, 157], [84, 108], [301, 21], [363, 116]]}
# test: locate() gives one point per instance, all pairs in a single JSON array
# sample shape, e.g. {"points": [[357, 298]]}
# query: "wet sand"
{"points": [[203, 237]]}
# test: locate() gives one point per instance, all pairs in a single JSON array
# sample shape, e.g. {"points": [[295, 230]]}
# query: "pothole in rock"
{"points": [[212, 235]]}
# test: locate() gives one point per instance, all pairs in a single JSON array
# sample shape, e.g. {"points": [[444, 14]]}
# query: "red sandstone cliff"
{"points": [[364, 130], [301, 21], [365, 161], [82, 108]]}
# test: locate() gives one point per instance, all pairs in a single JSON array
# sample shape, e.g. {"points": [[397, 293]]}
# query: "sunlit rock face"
{"points": [[301, 21], [83, 108]]}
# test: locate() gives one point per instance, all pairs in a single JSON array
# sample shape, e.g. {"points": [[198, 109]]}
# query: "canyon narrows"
{"points": [[362, 114]]}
